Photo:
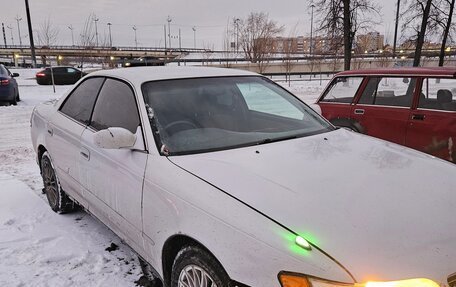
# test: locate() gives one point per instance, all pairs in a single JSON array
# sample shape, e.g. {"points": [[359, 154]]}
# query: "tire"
{"points": [[18, 99], [192, 264], [57, 198], [14, 100]]}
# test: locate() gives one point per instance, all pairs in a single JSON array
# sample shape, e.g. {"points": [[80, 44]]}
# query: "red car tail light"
{"points": [[40, 74], [4, 82]]}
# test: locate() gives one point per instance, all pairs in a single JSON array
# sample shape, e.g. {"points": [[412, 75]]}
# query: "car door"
{"points": [[59, 75], [432, 123], [64, 134], [72, 75], [383, 107], [336, 101], [114, 177]]}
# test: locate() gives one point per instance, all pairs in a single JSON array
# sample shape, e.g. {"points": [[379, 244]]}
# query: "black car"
{"points": [[9, 91], [144, 61], [62, 76]]}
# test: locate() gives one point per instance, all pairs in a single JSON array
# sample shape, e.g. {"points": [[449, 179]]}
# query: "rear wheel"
{"points": [[57, 198], [195, 267], [14, 100]]}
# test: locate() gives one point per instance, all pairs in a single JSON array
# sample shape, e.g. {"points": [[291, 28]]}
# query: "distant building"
{"points": [[301, 45], [372, 41]]}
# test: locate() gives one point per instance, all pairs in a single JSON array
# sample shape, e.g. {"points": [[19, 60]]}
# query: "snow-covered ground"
{"points": [[41, 248]]}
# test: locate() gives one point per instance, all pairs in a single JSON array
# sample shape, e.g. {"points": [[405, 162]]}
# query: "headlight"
{"points": [[297, 280]]}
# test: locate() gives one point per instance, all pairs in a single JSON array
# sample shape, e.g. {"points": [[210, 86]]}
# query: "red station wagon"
{"points": [[415, 107]]}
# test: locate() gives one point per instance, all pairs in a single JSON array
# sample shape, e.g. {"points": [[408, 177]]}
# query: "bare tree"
{"points": [[256, 34], [418, 22], [342, 19], [289, 49], [86, 40], [47, 33], [445, 9]]}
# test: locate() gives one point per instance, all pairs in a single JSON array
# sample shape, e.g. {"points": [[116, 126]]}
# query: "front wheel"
{"points": [[195, 267], [57, 198]]}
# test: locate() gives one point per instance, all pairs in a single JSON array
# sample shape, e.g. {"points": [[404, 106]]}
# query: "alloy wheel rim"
{"points": [[50, 183], [195, 276]]}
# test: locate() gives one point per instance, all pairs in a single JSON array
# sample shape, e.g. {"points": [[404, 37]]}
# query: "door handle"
{"points": [[85, 153], [418, 117], [50, 131], [359, 111]]}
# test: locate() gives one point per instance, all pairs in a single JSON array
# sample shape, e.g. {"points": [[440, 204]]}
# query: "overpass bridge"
{"points": [[96, 52]]}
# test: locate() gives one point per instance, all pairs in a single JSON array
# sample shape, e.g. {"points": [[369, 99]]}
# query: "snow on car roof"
{"points": [[139, 75], [412, 71]]}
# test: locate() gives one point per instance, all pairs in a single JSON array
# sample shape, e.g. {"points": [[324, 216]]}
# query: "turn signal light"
{"points": [[288, 280]]}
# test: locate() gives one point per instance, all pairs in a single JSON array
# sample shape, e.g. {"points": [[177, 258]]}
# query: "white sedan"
{"points": [[220, 177]]}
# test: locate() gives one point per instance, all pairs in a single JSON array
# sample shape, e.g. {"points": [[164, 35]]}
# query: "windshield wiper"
{"points": [[269, 140]]}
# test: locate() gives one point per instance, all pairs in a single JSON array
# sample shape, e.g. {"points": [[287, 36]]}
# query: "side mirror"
{"points": [[14, 75], [114, 138]]}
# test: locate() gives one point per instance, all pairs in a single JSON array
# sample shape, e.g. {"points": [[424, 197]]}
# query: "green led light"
{"points": [[301, 242]]}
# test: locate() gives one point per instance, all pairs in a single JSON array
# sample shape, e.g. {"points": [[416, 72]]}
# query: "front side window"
{"points": [[71, 70], [342, 90], [115, 107], [79, 104], [438, 94], [389, 91], [208, 114]]}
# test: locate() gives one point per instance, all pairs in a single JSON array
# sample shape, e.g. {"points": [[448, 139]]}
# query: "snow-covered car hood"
{"points": [[384, 211]]}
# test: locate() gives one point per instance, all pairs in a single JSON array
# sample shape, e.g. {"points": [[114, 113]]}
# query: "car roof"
{"points": [[54, 67], [139, 75], [410, 71]]}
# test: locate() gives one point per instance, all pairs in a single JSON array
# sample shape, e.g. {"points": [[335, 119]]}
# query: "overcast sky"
{"points": [[209, 17]]}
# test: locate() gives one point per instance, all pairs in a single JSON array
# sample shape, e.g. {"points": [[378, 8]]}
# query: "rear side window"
{"points": [[342, 90], [116, 107], [79, 104], [389, 91], [3, 71], [438, 94]]}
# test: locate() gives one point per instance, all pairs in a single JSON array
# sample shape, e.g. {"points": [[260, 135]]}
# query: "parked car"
{"points": [[219, 177], [143, 61], [9, 90], [62, 75], [415, 107]]}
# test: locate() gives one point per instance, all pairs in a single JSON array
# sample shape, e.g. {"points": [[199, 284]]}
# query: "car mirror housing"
{"points": [[114, 138], [14, 75]]}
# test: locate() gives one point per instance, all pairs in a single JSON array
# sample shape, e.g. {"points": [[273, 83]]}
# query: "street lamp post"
{"points": [[72, 35], [169, 31], [194, 37], [19, 29], [32, 44], [95, 19], [236, 22], [110, 37], [396, 27], [136, 39], [311, 29], [4, 35]]}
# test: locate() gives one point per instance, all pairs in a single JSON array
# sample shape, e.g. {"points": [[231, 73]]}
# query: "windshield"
{"points": [[209, 114]]}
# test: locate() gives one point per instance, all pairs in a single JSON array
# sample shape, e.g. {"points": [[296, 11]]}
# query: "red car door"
{"points": [[383, 107], [336, 101], [432, 123]]}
